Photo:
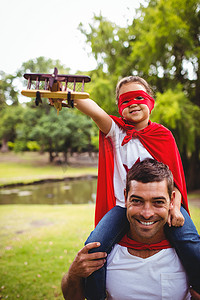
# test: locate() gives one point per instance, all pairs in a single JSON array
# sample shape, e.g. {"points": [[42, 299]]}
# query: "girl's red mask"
{"points": [[129, 99]]}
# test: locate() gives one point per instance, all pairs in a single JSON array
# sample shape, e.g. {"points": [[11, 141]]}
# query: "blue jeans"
{"points": [[186, 242], [112, 228]]}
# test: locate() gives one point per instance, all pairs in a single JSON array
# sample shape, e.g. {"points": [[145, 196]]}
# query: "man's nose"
{"points": [[147, 211]]}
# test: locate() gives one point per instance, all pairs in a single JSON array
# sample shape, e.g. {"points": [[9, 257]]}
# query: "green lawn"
{"points": [[38, 243], [29, 167]]}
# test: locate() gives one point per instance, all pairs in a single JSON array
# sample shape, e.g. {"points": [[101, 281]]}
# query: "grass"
{"points": [[38, 243], [30, 167]]}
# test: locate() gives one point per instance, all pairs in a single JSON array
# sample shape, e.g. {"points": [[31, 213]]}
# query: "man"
{"points": [[149, 268]]}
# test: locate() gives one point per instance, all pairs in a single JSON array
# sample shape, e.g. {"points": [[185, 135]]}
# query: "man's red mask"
{"points": [[130, 98]]}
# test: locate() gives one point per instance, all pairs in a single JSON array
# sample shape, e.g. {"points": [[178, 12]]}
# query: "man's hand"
{"points": [[86, 263], [195, 295], [175, 217], [83, 265]]}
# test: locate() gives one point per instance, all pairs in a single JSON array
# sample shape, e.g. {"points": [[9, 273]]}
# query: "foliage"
{"points": [[174, 110], [10, 145], [108, 43], [20, 146], [162, 45], [102, 93], [63, 133], [42, 65], [166, 43], [8, 90], [33, 146], [10, 116]]}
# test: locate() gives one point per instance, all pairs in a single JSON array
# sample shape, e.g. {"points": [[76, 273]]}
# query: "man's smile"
{"points": [[146, 223]]}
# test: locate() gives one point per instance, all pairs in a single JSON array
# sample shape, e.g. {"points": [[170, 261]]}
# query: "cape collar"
{"points": [[129, 243]]}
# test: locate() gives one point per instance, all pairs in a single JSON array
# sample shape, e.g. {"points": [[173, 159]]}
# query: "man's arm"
{"points": [[83, 265], [99, 116], [72, 287]]}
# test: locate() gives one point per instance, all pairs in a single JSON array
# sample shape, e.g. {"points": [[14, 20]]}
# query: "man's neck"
{"points": [[142, 253], [145, 253]]}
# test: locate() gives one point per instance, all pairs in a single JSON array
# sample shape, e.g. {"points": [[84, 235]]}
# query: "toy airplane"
{"points": [[55, 90]]}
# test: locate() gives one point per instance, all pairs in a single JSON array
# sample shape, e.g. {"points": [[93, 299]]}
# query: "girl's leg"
{"points": [[186, 241], [108, 232]]}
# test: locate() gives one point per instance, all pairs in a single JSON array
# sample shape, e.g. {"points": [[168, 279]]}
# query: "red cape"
{"points": [[129, 243], [159, 142]]}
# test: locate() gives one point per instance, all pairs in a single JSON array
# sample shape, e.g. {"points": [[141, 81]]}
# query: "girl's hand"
{"points": [[175, 218]]}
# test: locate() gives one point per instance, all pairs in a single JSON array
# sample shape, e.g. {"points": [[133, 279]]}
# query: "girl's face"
{"points": [[137, 114]]}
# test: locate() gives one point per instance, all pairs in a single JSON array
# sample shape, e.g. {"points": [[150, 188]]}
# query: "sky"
{"points": [[49, 28]]}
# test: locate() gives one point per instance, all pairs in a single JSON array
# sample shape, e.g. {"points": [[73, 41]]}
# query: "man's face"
{"points": [[148, 206]]}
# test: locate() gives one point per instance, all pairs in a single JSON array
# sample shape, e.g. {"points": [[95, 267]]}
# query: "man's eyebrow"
{"points": [[159, 198], [135, 196], [154, 198]]}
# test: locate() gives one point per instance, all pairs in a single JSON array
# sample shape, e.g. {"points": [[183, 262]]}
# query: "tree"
{"points": [[109, 44], [162, 45], [171, 110], [9, 118], [167, 44], [7, 90], [42, 65], [63, 133]]}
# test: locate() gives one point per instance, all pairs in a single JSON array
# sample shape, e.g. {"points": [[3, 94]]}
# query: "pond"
{"points": [[62, 192]]}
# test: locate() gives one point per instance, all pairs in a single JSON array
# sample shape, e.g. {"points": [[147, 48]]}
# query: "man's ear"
{"points": [[125, 197], [172, 199]]}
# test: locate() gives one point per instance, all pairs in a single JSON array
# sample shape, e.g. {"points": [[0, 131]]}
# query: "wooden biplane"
{"points": [[61, 90]]}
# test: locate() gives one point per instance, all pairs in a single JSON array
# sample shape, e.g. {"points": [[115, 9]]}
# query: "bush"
{"points": [[20, 146], [10, 145], [33, 146]]}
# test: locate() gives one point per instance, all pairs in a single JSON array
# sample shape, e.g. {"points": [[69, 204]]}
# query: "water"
{"points": [[62, 192]]}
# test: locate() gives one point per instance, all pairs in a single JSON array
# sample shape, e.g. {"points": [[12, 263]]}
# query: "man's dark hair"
{"points": [[150, 170]]}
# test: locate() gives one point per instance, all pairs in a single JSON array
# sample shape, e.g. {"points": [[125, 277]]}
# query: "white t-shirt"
{"points": [[124, 155], [158, 277]]}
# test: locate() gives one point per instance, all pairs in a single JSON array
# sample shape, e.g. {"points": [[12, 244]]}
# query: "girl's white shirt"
{"points": [[125, 155]]}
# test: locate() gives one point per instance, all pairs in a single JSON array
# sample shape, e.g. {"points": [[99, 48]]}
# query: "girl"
{"points": [[124, 141]]}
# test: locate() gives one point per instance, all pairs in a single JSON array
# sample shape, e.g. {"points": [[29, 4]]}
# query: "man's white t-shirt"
{"points": [[158, 277], [125, 155]]}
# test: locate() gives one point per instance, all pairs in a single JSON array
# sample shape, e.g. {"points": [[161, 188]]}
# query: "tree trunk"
{"points": [[65, 155], [51, 156], [4, 147]]}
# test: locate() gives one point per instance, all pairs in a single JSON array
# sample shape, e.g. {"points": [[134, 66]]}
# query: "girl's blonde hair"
{"points": [[135, 79]]}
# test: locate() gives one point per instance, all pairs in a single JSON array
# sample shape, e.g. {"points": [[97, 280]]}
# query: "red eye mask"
{"points": [[130, 97]]}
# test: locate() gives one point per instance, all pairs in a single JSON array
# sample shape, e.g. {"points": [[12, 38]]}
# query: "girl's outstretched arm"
{"points": [[99, 116]]}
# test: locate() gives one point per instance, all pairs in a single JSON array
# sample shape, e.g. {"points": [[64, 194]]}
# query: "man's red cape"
{"points": [[159, 142]]}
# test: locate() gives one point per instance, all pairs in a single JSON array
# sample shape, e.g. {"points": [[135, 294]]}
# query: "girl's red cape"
{"points": [[158, 141]]}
